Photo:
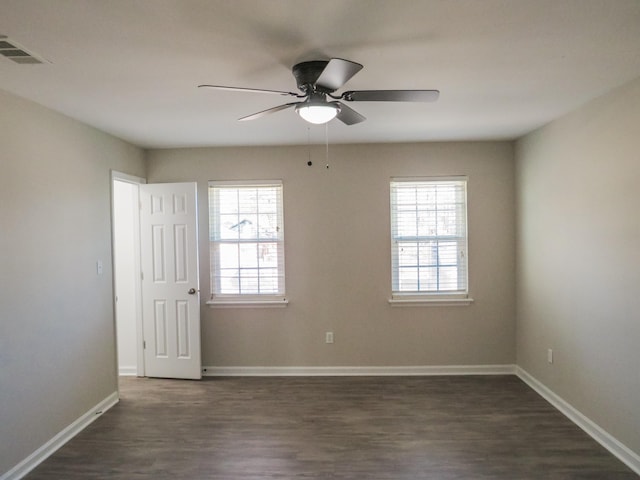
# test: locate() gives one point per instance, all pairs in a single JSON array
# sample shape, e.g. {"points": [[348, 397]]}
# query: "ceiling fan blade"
{"points": [[250, 90], [391, 96], [336, 73], [348, 115], [268, 111]]}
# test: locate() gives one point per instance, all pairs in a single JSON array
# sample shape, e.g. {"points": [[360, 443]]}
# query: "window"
{"points": [[246, 242], [429, 239]]}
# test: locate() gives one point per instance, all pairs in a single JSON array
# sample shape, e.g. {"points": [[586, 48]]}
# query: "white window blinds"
{"points": [[429, 236], [246, 234]]}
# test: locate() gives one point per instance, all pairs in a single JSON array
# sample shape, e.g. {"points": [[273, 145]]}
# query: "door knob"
{"points": [[192, 291]]}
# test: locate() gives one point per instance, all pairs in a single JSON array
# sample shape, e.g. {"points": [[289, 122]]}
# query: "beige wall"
{"points": [[57, 348], [579, 259], [337, 252]]}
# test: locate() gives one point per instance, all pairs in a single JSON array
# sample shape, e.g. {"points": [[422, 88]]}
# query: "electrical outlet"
{"points": [[550, 355], [328, 337]]}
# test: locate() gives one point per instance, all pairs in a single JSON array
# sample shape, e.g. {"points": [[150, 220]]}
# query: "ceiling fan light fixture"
{"points": [[318, 113]]}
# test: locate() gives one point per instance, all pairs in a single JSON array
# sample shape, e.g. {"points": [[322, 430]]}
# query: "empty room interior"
{"points": [[438, 279]]}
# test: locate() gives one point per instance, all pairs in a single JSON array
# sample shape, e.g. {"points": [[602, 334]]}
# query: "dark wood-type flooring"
{"points": [[396, 428]]}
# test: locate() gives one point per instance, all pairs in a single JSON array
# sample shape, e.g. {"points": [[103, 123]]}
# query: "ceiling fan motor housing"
{"points": [[307, 73]]}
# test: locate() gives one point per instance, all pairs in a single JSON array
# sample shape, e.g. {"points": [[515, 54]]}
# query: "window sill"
{"points": [[430, 302], [281, 303]]}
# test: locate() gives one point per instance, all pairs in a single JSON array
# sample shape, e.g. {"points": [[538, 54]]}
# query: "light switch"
{"points": [[99, 267]]}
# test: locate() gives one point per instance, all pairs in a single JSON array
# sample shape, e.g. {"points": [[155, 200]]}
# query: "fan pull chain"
{"points": [[309, 162], [326, 141]]}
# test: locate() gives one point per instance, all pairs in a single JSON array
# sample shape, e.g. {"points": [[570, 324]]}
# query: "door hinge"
{"points": [[144, 345]]}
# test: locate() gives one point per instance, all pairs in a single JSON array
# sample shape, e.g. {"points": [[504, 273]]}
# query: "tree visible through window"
{"points": [[246, 239], [429, 236]]}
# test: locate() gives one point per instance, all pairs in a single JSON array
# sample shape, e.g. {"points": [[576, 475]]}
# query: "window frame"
{"points": [[429, 297], [219, 299]]}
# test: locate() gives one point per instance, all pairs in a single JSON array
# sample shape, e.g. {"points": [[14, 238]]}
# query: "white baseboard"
{"points": [[128, 371], [358, 371], [624, 454], [46, 450]]}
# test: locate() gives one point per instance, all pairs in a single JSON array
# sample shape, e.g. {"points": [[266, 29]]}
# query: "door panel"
{"points": [[171, 314]]}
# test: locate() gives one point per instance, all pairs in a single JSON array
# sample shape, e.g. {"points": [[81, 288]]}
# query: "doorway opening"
{"points": [[126, 268], [157, 317]]}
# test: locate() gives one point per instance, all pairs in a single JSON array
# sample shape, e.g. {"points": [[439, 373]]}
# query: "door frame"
{"points": [[136, 181]]}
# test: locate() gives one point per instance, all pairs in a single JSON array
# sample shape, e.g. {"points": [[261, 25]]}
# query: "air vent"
{"points": [[13, 51]]}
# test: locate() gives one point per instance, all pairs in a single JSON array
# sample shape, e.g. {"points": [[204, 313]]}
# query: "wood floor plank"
{"points": [[440, 428]]}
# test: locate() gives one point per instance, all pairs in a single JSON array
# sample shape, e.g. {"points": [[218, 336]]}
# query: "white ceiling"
{"points": [[504, 67]]}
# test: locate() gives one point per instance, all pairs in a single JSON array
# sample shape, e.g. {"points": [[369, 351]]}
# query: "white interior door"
{"points": [[170, 293]]}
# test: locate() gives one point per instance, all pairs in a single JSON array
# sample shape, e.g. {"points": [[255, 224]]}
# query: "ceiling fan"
{"points": [[318, 80]]}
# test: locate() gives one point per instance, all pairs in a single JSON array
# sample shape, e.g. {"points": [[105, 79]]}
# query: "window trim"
{"points": [[251, 300], [258, 303], [429, 298], [399, 300]]}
